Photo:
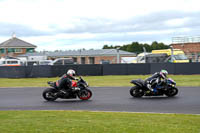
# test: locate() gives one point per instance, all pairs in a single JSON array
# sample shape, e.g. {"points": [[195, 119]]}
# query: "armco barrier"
{"points": [[98, 69]]}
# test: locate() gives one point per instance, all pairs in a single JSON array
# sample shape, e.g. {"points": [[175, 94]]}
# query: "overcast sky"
{"points": [[76, 24]]}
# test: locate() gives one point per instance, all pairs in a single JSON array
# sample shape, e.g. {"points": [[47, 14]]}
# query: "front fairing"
{"points": [[171, 82], [74, 83], [82, 84]]}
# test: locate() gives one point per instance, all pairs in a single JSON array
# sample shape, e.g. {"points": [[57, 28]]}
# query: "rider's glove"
{"points": [[149, 86]]}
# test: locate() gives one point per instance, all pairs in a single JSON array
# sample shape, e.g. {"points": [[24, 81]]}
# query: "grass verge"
{"points": [[96, 122], [100, 81]]}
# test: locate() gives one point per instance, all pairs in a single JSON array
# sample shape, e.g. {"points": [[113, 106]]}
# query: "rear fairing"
{"points": [[138, 82]]}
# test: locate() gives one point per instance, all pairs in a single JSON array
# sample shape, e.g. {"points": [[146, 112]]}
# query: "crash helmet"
{"points": [[71, 72], [163, 73]]}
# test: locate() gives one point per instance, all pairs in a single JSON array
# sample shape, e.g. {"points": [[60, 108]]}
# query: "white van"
{"points": [[10, 62]]}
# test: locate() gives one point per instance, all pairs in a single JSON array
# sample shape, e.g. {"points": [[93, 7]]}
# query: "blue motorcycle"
{"points": [[166, 87]]}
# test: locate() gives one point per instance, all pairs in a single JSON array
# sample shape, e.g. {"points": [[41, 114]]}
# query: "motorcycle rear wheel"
{"points": [[136, 91], [85, 94], [49, 94]]}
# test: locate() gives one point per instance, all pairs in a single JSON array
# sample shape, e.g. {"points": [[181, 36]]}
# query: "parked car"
{"points": [[62, 61], [45, 62]]}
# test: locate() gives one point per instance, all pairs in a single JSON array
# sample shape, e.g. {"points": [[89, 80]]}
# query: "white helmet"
{"points": [[71, 72], [163, 73]]}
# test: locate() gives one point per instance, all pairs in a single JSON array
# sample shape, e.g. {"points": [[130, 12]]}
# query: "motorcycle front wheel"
{"points": [[136, 91], [49, 94], [171, 92], [85, 94]]}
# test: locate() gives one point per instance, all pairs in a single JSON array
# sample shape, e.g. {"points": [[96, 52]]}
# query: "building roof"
{"points": [[15, 42], [191, 43], [100, 52]]}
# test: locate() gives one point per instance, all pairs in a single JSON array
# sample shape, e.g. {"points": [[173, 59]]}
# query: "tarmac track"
{"points": [[103, 99]]}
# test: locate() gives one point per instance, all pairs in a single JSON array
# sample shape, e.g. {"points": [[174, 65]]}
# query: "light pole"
{"points": [[172, 54], [144, 49], [118, 56], [80, 56]]}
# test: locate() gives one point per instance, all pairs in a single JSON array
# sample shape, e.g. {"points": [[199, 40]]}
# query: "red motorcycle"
{"points": [[79, 89]]}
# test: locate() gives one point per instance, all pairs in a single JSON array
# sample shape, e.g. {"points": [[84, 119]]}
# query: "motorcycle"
{"points": [[79, 89], [166, 87]]}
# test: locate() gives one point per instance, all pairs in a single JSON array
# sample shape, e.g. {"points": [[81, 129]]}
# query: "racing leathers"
{"points": [[153, 81], [65, 83]]}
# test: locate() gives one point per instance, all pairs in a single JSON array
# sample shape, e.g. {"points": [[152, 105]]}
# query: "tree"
{"points": [[147, 47], [106, 47], [138, 47], [155, 46]]}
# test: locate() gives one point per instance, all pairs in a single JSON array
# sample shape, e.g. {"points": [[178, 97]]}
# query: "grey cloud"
{"points": [[109, 30], [20, 30], [149, 22], [118, 31], [156, 21]]}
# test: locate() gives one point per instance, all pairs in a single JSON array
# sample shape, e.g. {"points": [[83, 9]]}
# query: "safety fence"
{"points": [[98, 69]]}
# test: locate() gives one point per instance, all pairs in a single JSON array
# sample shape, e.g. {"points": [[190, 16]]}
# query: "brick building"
{"points": [[190, 46], [15, 46], [101, 56]]}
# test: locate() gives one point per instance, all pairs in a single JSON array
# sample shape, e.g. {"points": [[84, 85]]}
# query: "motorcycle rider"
{"points": [[64, 83], [155, 79]]}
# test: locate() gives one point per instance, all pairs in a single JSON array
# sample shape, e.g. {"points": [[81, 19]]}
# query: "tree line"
{"points": [[137, 47]]}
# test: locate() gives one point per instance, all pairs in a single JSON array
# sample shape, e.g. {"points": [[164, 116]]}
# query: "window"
{"points": [[74, 59], [62, 61], [82, 60], [91, 60], [180, 57], [11, 50], [2, 50], [68, 61], [12, 62], [18, 50], [30, 50], [105, 62], [59, 62]]}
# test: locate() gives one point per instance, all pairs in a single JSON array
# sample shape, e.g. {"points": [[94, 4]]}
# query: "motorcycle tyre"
{"points": [[167, 93], [49, 90], [134, 89], [85, 98]]}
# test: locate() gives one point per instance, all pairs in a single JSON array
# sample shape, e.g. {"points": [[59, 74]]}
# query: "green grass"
{"points": [[96, 122], [117, 80]]}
